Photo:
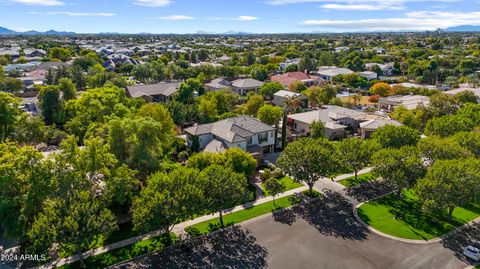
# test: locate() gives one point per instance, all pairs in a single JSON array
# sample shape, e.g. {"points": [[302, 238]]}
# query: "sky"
{"points": [[253, 16]]}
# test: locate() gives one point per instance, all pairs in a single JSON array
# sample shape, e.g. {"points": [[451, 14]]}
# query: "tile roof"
{"points": [[161, 88], [247, 83]]}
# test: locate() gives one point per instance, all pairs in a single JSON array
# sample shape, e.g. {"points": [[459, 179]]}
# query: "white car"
{"points": [[473, 251]]}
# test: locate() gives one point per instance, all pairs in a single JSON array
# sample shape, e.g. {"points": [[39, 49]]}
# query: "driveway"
{"points": [[322, 234]]}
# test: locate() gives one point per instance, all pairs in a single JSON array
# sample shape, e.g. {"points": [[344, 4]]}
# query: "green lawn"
{"points": [[125, 253], [289, 183], [247, 214], [351, 181], [412, 222]]}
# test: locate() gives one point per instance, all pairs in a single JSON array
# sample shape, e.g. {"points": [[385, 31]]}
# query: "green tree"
{"points": [[240, 161], [74, 223], [411, 118], [317, 130], [356, 153], [9, 113], [59, 54], [186, 91], [68, 89], [468, 140], [51, 104], [391, 136], [223, 188], [269, 88], [448, 125], [307, 160], [12, 85], [435, 148], [297, 86], [32, 131], [168, 199], [448, 184], [269, 114], [253, 104], [320, 95], [274, 187], [399, 168]]}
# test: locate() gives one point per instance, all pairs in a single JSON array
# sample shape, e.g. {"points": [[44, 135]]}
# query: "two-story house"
{"points": [[245, 132]]}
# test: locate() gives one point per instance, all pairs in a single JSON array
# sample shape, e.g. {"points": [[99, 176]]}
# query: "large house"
{"points": [[280, 97], [241, 86], [410, 102], [244, 132], [329, 72], [387, 69], [289, 78], [157, 93], [337, 120]]}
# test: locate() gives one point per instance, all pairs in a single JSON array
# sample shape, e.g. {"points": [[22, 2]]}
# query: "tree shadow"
{"points": [[368, 190], [332, 215], [285, 216], [232, 247], [461, 238]]}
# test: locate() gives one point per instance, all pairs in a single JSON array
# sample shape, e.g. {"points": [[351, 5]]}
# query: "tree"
{"points": [[356, 153], [297, 86], [391, 136], [269, 88], [59, 54], [306, 64], [435, 148], [74, 223], [448, 184], [399, 168], [168, 199], [9, 113], [307, 160], [442, 105], [411, 118], [51, 105], [320, 95], [448, 125], [68, 89], [259, 73], [269, 114], [12, 85], [160, 114], [253, 105], [186, 91], [274, 187], [223, 188], [317, 130], [240, 161], [32, 131], [468, 140], [24, 184], [380, 88], [466, 97]]}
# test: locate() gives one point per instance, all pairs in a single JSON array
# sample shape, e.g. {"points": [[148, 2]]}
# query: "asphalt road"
{"points": [[322, 234]]}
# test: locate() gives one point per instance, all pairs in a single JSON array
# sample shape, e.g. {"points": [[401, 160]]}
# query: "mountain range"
{"points": [[5, 31]]}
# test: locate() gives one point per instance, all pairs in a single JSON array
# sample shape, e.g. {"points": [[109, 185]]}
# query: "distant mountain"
{"points": [[5, 31], [463, 28]]}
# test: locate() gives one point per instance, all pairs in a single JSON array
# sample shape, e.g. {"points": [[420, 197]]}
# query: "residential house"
{"points": [[367, 128], [32, 53], [368, 75], [329, 72], [244, 85], [337, 121], [280, 97], [157, 93], [387, 69], [289, 78], [475, 91], [245, 132], [218, 84], [410, 102], [289, 62]]}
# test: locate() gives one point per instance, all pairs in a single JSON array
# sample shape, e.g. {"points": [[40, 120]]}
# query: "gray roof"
{"points": [[233, 130], [161, 88], [328, 114], [247, 83], [219, 83], [377, 123], [215, 146]]}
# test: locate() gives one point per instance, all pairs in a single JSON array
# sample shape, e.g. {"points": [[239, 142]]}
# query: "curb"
{"points": [[404, 240]]}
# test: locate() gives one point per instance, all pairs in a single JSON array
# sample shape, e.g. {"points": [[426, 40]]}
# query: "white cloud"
{"points": [[238, 18], [244, 18], [176, 17], [417, 20], [362, 7], [376, 2], [152, 3], [74, 14], [39, 2]]}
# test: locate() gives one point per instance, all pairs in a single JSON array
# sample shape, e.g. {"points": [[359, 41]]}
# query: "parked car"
{"points": [[473, 251]]}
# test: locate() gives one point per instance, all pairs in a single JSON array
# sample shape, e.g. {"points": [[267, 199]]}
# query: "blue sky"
{"points": [[257, 16]]}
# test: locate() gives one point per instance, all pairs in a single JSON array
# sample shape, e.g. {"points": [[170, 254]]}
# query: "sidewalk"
{"points": [[179, 229]]}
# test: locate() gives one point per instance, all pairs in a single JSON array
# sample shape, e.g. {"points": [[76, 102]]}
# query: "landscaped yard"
{"points": [[248, 213], [125, 253], [351, 181], [411, 221], [289, 183]]}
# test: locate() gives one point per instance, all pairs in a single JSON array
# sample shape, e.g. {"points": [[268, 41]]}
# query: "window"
{"points": [[249, 141], [262, 138], [271, 134]]}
